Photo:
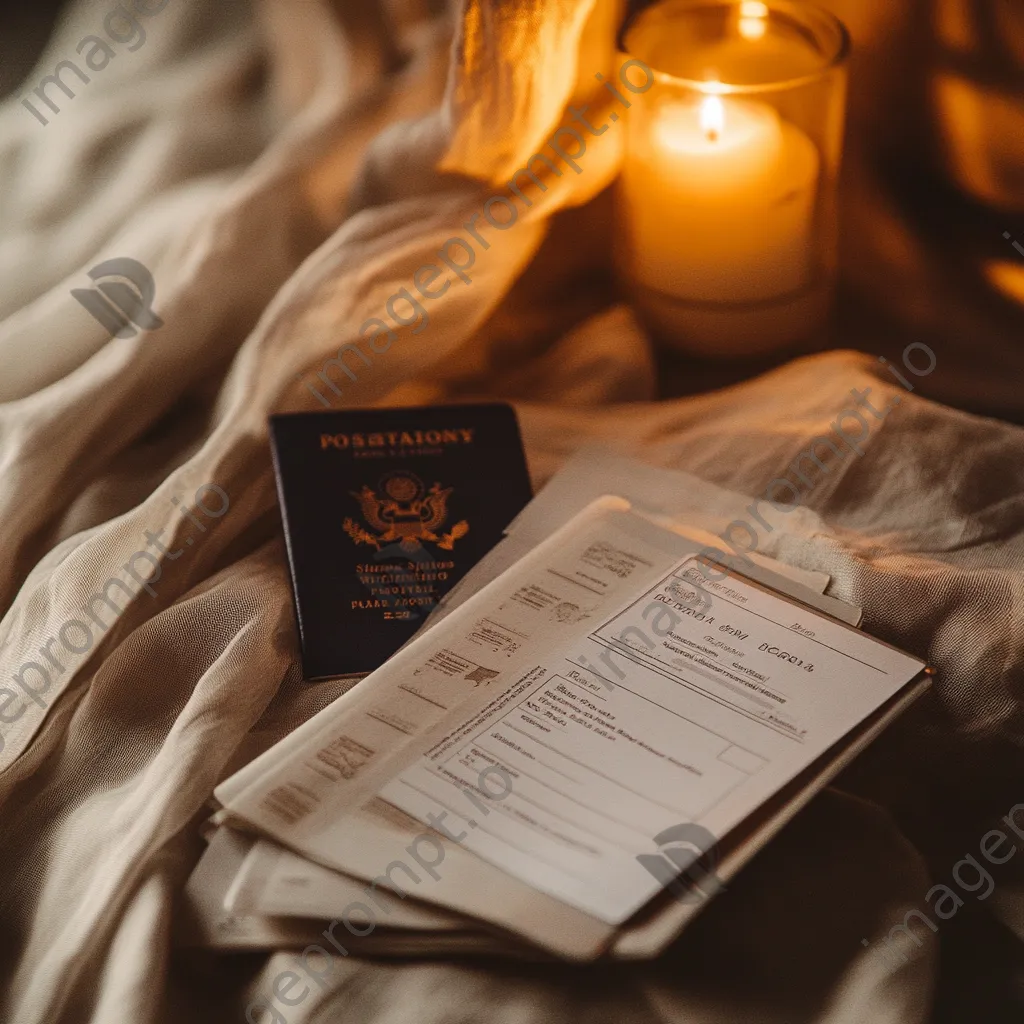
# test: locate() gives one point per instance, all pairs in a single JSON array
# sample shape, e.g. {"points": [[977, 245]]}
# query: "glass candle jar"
{"points": [[726, 204]]}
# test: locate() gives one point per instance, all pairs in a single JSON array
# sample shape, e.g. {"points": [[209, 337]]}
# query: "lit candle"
{"points": [[726, 206], [720, 199]]}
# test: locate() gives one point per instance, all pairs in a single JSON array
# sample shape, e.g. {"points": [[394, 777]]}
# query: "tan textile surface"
{"points": [[274, 166]]}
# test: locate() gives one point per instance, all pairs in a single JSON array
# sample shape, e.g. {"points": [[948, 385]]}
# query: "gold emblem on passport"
{"points": [[401, 510]]}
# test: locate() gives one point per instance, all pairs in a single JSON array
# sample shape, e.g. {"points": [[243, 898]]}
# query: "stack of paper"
{"points": [[591, 736]]}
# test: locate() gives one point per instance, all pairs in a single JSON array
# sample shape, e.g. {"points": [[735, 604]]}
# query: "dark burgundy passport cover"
{"points": [[385, 510]]}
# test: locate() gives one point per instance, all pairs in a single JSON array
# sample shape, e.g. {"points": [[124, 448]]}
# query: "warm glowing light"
{"points": [[1007, 277], [753, 19], [674, 127], [712, 117]]}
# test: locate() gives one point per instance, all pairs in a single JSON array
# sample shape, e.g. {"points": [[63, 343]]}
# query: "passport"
{"points": [[384, 511]]}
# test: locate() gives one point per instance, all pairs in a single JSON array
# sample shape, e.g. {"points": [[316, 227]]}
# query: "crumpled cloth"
{"points": [[284, 169]]}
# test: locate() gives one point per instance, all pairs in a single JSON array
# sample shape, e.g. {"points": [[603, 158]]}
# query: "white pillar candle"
{"points": [[720, 195]]}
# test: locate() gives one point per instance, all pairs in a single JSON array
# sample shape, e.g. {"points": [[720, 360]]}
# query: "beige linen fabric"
{"points": [[283, 169]]}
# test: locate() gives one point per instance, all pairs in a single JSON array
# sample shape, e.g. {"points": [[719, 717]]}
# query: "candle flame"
{"points": [[753, 23], [712, 117]]}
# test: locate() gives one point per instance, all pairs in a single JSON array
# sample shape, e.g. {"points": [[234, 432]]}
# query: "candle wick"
{"points": [[712, 135]]}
